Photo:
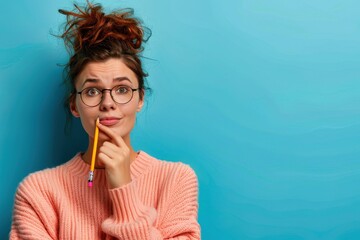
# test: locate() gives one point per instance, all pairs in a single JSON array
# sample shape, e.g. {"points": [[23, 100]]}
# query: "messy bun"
{"points": [[90, 35], [90, 26]]}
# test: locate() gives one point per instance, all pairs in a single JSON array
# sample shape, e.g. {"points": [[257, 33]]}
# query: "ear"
{"points": [[141, 102], [73, 108]]}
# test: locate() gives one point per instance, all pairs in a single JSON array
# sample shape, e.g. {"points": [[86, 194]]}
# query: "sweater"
{"points": [[161, 202]]}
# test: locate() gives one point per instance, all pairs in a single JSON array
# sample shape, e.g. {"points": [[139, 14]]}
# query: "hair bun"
{"points": [[89, 26]]}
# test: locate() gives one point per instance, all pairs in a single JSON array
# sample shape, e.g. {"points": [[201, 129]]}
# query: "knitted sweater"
{"points": [[161, 202]]}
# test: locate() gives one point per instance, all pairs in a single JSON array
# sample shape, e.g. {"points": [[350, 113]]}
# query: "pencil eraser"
{"points": [[90, 184]]}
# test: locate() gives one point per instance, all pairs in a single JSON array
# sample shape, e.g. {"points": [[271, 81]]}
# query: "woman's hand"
{"points": [[114, 154]]}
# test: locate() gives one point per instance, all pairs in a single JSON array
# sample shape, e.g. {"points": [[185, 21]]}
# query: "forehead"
{"points": [[106, 71]]}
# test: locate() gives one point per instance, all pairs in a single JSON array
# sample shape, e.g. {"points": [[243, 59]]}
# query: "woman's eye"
{"points": [[122, 90], [92, 92]]}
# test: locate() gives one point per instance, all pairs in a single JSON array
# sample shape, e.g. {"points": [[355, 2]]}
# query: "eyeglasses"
{"points": [[93, 96]]}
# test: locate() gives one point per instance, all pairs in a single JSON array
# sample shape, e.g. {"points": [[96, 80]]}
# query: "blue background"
{"points": [[261, 98]]}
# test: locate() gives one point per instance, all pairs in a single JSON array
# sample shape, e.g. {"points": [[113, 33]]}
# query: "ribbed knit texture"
{"points": [[161, 202]]}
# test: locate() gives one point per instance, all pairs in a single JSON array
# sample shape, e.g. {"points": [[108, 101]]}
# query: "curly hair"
{"points": [[90, 35]]}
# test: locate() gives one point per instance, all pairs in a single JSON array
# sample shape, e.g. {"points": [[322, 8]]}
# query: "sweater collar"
{"points": [[77, 167]]}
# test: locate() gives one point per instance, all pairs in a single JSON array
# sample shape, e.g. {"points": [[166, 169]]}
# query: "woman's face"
{"points": [[119, 117]]}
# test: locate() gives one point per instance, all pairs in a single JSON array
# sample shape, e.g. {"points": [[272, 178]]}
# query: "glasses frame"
{"points": [[110, 90]]}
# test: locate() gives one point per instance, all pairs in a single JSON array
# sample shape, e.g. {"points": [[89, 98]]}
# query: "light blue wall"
{"points": [[261, 98]]}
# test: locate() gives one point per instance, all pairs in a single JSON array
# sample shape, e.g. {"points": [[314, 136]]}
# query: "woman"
{"points": [[134, 196]]}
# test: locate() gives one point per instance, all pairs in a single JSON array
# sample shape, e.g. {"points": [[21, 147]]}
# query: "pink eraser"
{"points": [[90, 184]]}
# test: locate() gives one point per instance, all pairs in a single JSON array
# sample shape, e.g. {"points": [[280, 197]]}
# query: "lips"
{"points": [[109, 121]]}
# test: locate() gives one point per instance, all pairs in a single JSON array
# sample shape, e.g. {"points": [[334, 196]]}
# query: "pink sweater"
{"points": [[161, 202]]}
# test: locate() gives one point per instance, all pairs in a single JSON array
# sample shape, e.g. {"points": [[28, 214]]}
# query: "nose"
{"points": [[107, 102]]}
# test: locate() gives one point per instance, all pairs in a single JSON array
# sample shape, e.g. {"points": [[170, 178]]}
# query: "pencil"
{"points": [[93, 157]]}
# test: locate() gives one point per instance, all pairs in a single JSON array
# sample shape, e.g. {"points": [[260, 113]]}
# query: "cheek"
{"points": [[85, 118], [88, 127], [130, 112], [131, 109]]}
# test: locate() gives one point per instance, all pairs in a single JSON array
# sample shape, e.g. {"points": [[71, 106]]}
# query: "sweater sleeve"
{"points": [[33, 215], [132, 220]]}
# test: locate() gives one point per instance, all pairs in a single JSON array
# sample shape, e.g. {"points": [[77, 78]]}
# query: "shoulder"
{"points": [[173, 171], [41, 175], [177, 182], [42, 182], [37, 182], [179, 169]]}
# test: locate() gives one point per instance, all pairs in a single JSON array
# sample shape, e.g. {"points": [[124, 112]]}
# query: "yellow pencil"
{"points": [[93, 157]]}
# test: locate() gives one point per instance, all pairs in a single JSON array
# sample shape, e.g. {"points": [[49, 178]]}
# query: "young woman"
{"points": [[134, 195]]}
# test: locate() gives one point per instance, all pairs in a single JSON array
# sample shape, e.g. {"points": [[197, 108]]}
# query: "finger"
{"points": [[105, 160], [109, 149], [111, 134]]}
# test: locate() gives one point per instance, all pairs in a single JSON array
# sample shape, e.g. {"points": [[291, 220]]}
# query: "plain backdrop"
{"points": [[260, 97]]}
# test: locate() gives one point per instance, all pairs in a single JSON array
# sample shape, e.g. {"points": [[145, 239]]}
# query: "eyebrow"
{"points": [[95, 80]]}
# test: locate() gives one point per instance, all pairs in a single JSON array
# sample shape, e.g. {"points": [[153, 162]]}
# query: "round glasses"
{"points": [[93, 96]]}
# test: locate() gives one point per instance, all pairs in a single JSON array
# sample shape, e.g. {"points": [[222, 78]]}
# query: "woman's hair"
{"points": [[90, 35]]}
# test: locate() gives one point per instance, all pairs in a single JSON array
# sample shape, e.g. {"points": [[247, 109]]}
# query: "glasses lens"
{"points": [[91, 96], [122, 94]]}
